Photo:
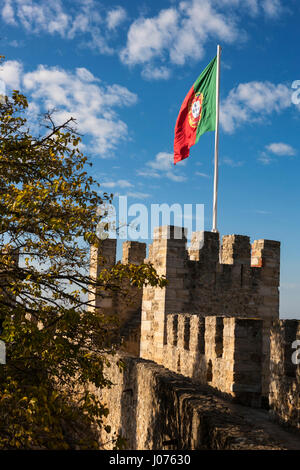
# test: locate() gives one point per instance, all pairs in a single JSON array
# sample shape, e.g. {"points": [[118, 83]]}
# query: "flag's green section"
{"points": [[206, 84]]}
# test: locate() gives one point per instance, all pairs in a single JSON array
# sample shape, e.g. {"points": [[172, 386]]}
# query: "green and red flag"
{"points": [[197, 113]]}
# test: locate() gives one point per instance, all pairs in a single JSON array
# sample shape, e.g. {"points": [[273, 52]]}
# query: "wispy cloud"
{"points": [[117, 184], [265, 158], [203, 175], [156, 73], [270, 8], [37, 16], [16, 43], [278, 149], [115, 17], [232, 163], [138, 195], [7, 13], [162, 167], [85, 19], [123, 184], [262, 212], [281, 149]]}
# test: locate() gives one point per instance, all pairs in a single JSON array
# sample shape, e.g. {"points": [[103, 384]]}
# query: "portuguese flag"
{"points": [[197, 114]]}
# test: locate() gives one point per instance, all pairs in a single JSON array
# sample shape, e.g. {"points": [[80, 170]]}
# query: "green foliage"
{"points": [[57, 344]]}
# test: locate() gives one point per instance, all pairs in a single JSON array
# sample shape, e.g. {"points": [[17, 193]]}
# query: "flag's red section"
{"points": [[185, 135]]}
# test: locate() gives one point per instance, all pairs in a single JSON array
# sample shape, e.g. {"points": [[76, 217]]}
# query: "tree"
{"points": [[56, 346]]}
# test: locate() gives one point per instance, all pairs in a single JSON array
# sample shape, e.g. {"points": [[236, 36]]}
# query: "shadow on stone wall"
{"points": [[157, 409], [129, 404]]}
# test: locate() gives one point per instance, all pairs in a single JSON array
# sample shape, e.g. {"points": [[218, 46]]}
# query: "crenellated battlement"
{"points": [[103, 257], [233, 280], [217, 320], [206, 278], [213, 351]]}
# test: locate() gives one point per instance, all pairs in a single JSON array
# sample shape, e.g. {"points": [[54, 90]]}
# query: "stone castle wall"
{"points": [[243, 284], [204, 279], [225, 353], [216, 322], [157, 409], [285, 372], [128, 307]]}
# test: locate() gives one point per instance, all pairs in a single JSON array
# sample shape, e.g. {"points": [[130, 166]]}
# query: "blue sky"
{"points": [[123, 69]]}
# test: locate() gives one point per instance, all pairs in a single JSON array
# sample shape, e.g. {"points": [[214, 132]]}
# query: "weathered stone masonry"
{"points": [[225, 353], [212, 323], [154, 408], [103, 257], [242, 285], [285, 373]]}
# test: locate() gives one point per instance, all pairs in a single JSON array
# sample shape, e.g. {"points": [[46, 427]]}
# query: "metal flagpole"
{"points": [[215, 204]]}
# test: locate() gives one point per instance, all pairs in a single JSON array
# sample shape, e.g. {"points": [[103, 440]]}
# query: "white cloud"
{"points": [[10, 73], [78, 94], [203, 175], [118, 95], [117, 184], [147, 173], [138, 195], [231, 162], [162, 167], [98, 43], [178, 34], [175, 35], [163, 162], [115, 17], [264, 158], [41, 16], [15, 43], [151, 72], [261, 212], [2, 90], [177, 178], [276, 148], [253, 5], [85, 75], [148, 37], [80, 24], [272, 8], [248, 102], [281, 149], [66, 19], [8, 13]]}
